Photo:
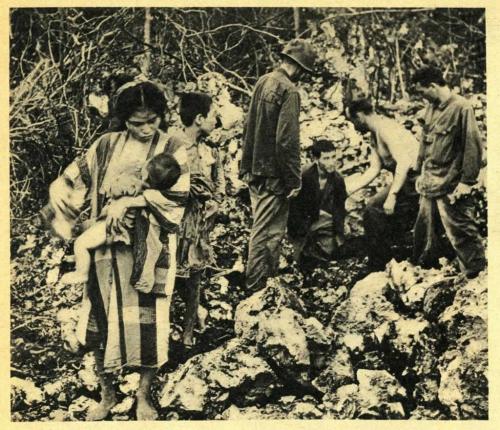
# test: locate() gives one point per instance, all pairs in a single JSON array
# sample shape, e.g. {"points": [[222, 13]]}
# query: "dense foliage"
{"points": [[60, 57]]}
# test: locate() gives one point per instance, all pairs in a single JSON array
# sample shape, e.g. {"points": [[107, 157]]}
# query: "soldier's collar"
{"points": [[282, 70]]}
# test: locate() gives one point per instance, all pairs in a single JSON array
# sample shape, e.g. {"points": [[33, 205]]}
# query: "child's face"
{"points": [[143, 124], [207, 124]]}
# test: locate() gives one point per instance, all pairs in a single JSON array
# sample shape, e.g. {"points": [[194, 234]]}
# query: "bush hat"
{"points": [[301, 52]]}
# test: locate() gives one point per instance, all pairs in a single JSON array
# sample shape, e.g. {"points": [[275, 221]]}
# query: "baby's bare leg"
{"points": [[92, 238]]}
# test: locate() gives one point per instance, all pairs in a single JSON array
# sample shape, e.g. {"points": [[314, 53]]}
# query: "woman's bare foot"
{"points": [[74, 278], [102, 409], [145, 410]]}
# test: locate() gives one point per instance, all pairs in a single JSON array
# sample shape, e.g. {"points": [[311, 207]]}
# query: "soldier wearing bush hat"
{"points": [[301, 52], [271, 158]]}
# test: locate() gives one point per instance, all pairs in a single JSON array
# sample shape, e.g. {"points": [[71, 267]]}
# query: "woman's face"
{"points": [[143, 124]]}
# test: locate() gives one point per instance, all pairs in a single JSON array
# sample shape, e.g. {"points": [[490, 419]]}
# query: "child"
{"points": [[207, 188], [163, 171]]}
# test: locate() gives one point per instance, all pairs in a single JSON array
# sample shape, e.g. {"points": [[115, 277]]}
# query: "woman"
{"points": [[124, 327]]}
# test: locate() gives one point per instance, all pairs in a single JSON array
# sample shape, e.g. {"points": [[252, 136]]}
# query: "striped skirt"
{"points": [[132, 327]]}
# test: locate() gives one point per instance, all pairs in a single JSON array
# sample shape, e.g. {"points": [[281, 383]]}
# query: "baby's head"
{"points": [[163, 172]]}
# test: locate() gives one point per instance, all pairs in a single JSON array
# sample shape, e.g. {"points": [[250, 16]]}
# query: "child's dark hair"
{"points": [[361, 105], [428, 75], [193, 104], [321, 146], [145, 95], [163, 171]]}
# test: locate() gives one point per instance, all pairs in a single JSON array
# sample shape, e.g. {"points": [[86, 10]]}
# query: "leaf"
{"points": [[29, 244], [52, 276]]}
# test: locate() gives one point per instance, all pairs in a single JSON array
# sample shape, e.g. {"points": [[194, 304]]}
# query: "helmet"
{"points": [[301, 52]]}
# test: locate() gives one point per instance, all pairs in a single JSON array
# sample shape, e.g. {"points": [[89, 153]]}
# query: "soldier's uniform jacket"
{"points": [[451, 147], [271, 146]]}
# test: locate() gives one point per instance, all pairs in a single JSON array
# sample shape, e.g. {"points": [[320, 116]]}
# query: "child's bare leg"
{"points": [[92, 238]]}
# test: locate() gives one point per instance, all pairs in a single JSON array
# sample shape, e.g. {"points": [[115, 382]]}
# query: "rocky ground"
{"points": [[405, 343]]}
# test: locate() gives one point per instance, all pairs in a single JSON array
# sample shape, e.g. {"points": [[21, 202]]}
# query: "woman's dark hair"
{"points": [[321, 146], [163, 171], [361, 105], [193, 104], [144, 95], [428, 75]]}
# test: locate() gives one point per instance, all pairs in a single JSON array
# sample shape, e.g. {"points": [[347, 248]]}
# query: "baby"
{"points": [[163, 172]]}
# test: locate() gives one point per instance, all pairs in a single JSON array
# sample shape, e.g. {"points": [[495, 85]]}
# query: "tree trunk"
{"points": [[400, 72], [296, 21], [146, 64]]}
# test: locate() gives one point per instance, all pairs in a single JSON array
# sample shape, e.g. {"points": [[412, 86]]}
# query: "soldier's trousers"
{"points": [[270, 214], [460, 228]]}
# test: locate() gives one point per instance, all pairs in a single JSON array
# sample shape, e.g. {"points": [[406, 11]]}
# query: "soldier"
{"points": [[450, 154], [271, 158]]}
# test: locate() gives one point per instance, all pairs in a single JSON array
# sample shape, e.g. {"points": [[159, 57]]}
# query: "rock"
{"points": [[464, 366], [87, 374], [264, 302], [273, 320], [414, 284], [79, 407], [26, 390], [366, 309], [207, 383], [342, 404], [305, 410], [354, 342], [120, 418], [268, 411], [426, 391], [427, 413], [220, 310], [406, 333], [317, 336], [124, 407], [285, 400], [52, 389], [379, 395], [59, 415], [338, 372], [403, 274], [282, 340], [468, 314], [464, 384], [130, 383], [438, 297]]}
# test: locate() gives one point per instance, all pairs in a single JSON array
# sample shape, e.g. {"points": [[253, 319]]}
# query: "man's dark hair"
{"points": [[321, 146], [163, 171], [428, 75], [193, 104], [361, 105]]}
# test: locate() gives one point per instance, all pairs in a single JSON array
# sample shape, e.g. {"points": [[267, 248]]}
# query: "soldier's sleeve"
{"points": [[288, 141], [471, 137]]}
